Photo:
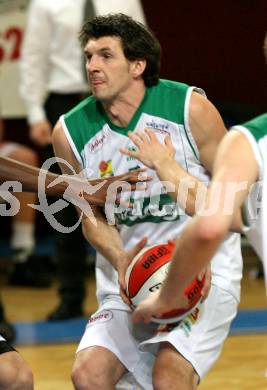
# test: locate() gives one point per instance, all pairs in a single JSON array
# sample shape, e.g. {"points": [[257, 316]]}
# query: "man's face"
{"points": [[109, 72]]}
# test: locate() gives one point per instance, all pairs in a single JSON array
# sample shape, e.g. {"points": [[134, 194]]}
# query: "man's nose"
{"points": [[92, 64]]}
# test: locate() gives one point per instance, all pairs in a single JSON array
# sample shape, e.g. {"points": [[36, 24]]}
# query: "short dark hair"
{"points": [[138, 42]]}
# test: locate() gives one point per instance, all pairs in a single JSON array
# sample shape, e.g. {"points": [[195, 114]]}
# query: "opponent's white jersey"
{"points": [[95, 141], [255, 213]]}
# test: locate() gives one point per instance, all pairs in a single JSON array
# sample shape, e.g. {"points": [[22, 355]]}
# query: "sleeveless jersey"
{"points": [[255, 214], [95, 141]]}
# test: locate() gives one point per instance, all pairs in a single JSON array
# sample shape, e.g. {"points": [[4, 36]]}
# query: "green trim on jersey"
{"points": [[257, 126], [167, 99], [84, 121]]}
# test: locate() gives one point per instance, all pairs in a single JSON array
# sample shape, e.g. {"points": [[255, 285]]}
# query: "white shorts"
{"points": [[8, 148], [199, 337]]}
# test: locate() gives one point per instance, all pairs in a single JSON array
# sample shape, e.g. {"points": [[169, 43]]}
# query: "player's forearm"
{"points": [[186, 187], [104, 238], [12, 170], [194, 250]]}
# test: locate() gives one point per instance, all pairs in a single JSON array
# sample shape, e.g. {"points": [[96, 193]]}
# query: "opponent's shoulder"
{"points": [[257, 127]]}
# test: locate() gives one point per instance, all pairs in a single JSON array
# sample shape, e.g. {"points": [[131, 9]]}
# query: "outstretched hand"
{"points": [[149, 149]]}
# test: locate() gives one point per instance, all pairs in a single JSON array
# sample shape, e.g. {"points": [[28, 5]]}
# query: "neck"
{"points": [[122, 109]]}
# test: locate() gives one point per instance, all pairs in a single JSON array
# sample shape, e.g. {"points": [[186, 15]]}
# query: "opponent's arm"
{"points": [[235, 170], [104, 237], [207, 128]]}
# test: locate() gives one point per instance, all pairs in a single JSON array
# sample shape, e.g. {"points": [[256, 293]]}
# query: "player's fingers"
{"points": [[124, 296], [169, 145], [151, 134], [127, 204], [127, 152], [143, 136], [135, 139]]}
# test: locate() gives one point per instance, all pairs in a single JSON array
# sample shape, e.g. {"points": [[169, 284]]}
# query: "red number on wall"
{"points": [[13, 35]]}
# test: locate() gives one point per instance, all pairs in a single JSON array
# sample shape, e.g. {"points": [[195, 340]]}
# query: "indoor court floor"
{"points": [[49, 348]]}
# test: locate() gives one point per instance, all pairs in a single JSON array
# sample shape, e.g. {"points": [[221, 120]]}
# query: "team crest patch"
{"points": [[105, 169], [102, 316]]}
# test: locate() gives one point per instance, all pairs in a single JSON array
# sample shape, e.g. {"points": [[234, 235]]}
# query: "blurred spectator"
{"points": [[25, 266], [52, 82], [26, 269]]}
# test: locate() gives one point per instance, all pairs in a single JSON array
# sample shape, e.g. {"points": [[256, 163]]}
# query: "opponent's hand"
{"points": [[149, 149], [123, 265], [40, 133], [109, 189], [150, 307], [96, 191]]}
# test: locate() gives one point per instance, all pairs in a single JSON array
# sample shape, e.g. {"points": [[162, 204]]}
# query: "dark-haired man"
{"points": [[123, 64]]}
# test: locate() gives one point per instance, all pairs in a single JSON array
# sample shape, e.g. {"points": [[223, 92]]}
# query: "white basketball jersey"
{"points": [[95, 141]]}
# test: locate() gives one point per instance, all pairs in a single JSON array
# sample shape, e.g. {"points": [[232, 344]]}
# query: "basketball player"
{"points": [[123, 60], [240, 159]]}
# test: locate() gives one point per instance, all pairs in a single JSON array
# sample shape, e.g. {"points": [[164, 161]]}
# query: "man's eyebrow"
{"points": [[101, 50]]}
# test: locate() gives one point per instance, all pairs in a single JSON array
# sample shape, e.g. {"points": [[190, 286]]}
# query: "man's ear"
{"points": [[138, 67]]}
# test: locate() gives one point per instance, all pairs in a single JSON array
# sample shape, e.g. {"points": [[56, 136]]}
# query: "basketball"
{"points": [[146, 274]]}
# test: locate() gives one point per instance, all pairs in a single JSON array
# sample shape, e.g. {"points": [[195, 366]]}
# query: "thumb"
{"points": [[136, 249], [169, 144]]}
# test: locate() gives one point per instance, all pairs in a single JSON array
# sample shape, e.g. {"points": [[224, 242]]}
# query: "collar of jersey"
{"points": [[133, 122]]}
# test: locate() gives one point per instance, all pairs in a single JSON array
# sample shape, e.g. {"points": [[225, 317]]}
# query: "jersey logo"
{"points": [[131, 149], [98, 141], [159, 127], [102, 316], [105, 169], [155, 209]]}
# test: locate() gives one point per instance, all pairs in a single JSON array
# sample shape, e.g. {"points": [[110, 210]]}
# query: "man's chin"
{"points": [[102, 98]]}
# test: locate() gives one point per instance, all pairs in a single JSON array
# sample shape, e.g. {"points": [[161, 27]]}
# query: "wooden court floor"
{"points": [[241, 366]]}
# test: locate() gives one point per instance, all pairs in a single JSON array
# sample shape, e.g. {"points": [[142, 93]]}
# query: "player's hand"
{"points": [[124, 265], [150, 307], [149, 149], [40, 133]]}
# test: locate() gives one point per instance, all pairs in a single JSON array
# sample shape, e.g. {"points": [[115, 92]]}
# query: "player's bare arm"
{"points": [[200, 239], [207, 128], [104, 237]]}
